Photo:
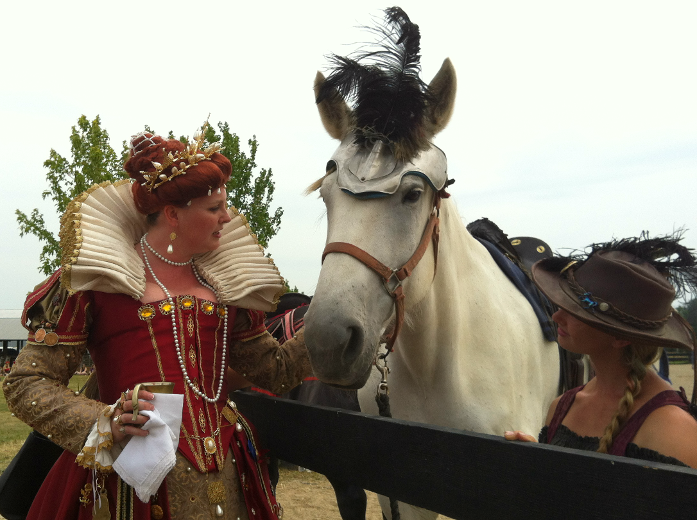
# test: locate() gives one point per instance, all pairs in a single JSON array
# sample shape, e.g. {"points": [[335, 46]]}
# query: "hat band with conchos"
{"points": [[618, 293], [589, 301]]}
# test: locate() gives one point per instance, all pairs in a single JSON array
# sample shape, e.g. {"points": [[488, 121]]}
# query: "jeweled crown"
{"points": [[179, 161]]}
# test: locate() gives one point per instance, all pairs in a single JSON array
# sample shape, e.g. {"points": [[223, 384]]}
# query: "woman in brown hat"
{"points": [[615, 305]]}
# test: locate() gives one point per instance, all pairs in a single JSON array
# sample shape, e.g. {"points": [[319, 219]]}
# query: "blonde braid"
{"points": [[637, 357]]}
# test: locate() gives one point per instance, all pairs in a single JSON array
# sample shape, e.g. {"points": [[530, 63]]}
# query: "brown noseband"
{"points": [[431, 234]]}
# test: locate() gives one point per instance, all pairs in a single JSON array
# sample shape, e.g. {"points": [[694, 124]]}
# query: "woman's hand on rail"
{"points": [[519, 436]]}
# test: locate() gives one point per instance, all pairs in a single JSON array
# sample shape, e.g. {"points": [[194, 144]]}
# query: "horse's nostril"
{"points": [[354, 345], [337, 351]]}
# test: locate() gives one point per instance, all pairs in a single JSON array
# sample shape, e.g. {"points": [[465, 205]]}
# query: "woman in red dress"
{"points": [[161, 282]]}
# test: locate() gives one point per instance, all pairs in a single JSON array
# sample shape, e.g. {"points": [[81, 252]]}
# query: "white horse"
{"points": [[471, 354]]}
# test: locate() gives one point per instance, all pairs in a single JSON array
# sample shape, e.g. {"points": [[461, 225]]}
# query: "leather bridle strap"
{"points": [[431, 234]]}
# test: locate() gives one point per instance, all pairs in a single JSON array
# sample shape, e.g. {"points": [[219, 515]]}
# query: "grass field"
{"points": [[13, 431]]}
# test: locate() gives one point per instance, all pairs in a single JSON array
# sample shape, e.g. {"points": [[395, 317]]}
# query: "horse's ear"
{"points": [[443, 87], [333, 110]]}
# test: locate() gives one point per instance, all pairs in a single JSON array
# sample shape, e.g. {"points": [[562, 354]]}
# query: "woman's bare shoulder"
{"points": [[552, 409], [671, 431]]}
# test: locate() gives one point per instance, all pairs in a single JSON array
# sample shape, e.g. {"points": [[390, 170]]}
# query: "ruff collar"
{"points": [[101, 226]]}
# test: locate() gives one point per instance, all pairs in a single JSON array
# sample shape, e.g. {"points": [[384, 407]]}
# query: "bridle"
{"points": [[392, 278], [392, 281]]}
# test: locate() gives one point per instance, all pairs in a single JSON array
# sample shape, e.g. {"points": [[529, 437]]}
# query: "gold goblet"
{"points": [[159, 387]]}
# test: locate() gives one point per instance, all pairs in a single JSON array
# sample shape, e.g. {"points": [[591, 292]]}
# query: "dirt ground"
{"points": [[309, 496]]}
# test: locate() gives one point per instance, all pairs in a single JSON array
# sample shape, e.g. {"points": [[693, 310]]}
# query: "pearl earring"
{"points": [[172, 237]]}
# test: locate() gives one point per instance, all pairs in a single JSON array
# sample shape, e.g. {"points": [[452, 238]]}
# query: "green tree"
{"points": [[93, 161], [251, 195], [689, 312]]}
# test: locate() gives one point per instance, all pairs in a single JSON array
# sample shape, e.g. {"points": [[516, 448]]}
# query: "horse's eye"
{"points": [[413, 196]]}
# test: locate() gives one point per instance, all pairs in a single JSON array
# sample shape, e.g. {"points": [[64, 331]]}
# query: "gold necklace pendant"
{"points": [[209, 445]]}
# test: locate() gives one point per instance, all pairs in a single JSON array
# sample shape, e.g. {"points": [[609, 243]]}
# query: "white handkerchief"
{"points": [[145, 461]]}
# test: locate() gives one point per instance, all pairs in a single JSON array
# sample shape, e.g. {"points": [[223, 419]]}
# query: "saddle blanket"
{"points": [[543, 309]]}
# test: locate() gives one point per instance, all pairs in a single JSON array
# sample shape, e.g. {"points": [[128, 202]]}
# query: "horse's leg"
{"points": [[351, 499], [366, 396], [406, 511]]}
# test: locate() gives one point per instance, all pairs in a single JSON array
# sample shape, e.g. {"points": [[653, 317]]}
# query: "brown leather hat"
{"points": [[619, 293]]}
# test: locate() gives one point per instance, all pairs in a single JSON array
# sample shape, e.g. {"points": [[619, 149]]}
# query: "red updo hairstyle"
{"points": [[198, 179]]}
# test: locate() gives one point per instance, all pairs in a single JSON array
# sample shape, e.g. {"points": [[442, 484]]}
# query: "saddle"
{"points": [[515, 258]]}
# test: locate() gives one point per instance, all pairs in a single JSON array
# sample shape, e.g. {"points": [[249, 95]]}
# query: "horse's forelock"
{"points": [[315, 185], [331, 168]]}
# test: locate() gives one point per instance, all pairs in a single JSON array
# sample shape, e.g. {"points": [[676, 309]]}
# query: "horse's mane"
{"points": [[390, 99]]}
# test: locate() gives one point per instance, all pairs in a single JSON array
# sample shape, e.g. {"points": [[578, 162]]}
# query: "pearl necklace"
{"points": [[158, 255], [143, 243]]}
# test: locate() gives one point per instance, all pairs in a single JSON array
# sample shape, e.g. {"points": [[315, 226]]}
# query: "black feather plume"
{"points": [[383, 83], [665, 253], [677, 262]]}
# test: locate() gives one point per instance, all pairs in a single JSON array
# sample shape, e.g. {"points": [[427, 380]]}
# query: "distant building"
{"points": [[13, 336]]}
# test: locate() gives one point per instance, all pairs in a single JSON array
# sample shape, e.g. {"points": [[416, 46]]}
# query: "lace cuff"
{"points": [[97, 453]]}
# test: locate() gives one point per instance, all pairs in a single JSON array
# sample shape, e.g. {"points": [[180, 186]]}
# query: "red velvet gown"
{"points": [[131, 342]]}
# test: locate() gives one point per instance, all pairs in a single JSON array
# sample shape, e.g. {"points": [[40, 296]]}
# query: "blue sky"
{"points": [[574, 122]]}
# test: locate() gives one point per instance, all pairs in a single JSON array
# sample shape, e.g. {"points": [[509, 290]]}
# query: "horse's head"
{"points": [[380, 188]]}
